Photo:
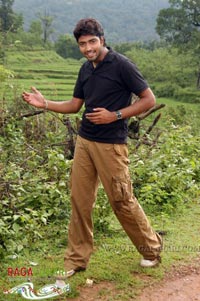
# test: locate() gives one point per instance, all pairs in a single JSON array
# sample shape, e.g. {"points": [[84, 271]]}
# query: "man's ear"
{"points": [[102, 39]]}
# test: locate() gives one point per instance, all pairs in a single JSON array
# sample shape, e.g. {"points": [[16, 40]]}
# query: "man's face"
{"points": [[92, 47]]}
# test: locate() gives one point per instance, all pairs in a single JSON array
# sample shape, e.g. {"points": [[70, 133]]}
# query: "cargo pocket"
{"points": [[121, 189]]}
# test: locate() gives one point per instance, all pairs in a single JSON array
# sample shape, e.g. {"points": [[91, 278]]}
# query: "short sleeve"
{"points": [[132, 77]]}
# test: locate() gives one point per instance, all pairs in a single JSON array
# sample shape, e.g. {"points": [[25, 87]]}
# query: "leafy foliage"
{"points": [[46, 21], [179, 25], [169, 177], [5, 74], [66, 47], [9, 21], [169, 72], [33, 182]]}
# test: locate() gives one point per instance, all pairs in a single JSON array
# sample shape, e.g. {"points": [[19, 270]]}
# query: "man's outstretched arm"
{"points": [[36, 99]]}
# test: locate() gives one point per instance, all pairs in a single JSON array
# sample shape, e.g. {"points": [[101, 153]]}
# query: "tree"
{"points": [[180, 25], [35, 33], [9, 20], [36, 28], [46, 20], [66, 47]]}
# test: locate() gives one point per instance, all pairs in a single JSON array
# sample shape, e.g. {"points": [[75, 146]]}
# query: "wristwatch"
{"points": [[118, 114]]}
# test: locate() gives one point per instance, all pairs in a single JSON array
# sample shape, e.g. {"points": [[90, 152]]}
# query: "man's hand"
{"points": [[35, 99], [101, 116]]}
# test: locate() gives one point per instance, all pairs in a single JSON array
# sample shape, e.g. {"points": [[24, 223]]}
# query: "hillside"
{"points": [[46, 70], [123, 20]]}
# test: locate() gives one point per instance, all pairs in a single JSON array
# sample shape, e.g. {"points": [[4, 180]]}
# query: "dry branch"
{"points": [[144, 139], [152, 110], [30, 114]]}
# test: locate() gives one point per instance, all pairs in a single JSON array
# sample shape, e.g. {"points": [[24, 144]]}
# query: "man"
{"points": [[105, 84]]}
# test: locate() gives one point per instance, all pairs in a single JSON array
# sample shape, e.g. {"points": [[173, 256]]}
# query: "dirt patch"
{"points": [[180, 284], [97, 292], [184, 289]]}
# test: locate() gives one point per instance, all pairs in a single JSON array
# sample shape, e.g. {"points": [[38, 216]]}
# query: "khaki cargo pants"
{"points": [[109, 163]]}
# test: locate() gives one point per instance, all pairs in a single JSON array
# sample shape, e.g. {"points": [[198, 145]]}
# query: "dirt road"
{"points": [[179, 285]]}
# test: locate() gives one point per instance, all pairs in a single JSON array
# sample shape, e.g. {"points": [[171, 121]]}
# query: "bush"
{"points": [[187, 95], [33, 179], [165, 89], [168, 178], [102, 211]]}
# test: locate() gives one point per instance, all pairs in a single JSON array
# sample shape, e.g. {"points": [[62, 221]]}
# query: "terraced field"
{"points": [[52, 75]]}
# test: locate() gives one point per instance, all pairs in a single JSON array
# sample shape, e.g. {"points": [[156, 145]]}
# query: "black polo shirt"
{"points": [[110, 85]]}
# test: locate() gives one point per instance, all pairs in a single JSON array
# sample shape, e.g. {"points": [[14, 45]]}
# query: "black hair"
{"points": [[88, 26]]}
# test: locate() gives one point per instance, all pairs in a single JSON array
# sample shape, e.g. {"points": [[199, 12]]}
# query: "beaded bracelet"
{"points": [[46, 104]]}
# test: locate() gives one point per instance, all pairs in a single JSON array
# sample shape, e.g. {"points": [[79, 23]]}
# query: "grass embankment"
{"points": [[46, 70]]}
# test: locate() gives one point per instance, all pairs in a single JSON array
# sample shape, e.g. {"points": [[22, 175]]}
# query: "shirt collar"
{"points": [[107, 59], [109, 55]]}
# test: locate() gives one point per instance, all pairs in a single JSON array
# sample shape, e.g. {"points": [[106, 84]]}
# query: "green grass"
{"points": [[48, 72], [115, 259], [169, 102]]}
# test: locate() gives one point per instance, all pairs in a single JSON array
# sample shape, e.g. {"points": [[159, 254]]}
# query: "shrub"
{"points": [[168, 177], [164, 89], [187, 95]]}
